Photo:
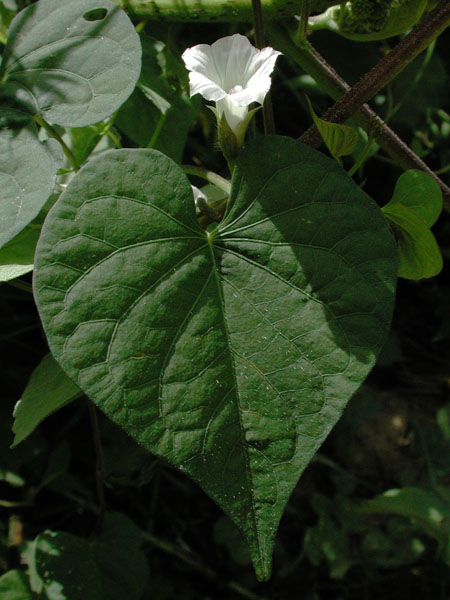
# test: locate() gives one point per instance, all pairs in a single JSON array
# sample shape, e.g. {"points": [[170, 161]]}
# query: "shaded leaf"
{"points": [[111, 566], [159, 112], [14, 585], [74, 70], [423, 506], [27, 176], [230, 353], [17, 256], [48, 390]]}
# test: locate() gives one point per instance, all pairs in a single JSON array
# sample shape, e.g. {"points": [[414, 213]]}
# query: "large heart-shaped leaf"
{"points": [[27, 175], [232, 353], [74, 62]]}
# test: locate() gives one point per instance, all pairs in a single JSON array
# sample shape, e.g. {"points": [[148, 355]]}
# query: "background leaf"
{"points": [[423, 506], [230, 353], [160, 112], [111, 566], [339, 139], [27, 176], [17, 256], [74, 70], [48, 390], [14, 585], [420, 193], [415, 206]]}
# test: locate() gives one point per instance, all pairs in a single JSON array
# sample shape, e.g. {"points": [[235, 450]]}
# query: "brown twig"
{"points": [[385, 71], [313, 63]]}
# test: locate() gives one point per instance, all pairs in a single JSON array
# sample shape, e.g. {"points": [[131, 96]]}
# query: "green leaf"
{"points": [[415, 206], [72, 69], [48, 390], [231, 353], [421, 195], [339, 139], [159, 113], [422, 506], [17, 256], [14, 585], [6, 17], [27, 176], [111, 566]]}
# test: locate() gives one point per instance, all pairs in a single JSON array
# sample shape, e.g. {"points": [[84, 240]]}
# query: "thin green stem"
{"points": [[55, 135], [302, 31], [99, 463], [269, 122], [158, 129], [21, 285], [362, 158], [214, 178], [414, 82]]}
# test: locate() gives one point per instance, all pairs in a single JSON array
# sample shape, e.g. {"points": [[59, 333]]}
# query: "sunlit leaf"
{"points": [[73, 69]]}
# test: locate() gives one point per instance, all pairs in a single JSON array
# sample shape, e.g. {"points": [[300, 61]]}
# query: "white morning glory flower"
{"points": [[233, 74]]}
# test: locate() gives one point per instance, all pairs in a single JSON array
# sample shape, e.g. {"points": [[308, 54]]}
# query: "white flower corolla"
{"points": [[232, 73]]}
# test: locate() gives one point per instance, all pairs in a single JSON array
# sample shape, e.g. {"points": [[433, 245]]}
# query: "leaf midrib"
{"points": [[248, 473]]}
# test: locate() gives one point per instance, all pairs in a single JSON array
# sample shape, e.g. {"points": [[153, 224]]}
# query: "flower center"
{"points": [[235, 89]]}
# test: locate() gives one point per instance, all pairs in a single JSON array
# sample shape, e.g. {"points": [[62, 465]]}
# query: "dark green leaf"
{"points": [[74, 70], [17, 256], [110, 567], [48, 390], [231, 353], [422, 506]]}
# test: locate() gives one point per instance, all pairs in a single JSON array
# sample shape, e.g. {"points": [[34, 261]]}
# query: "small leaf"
{"points": [[67, 61], [27, 176], [14, 585], [110, 567], [415, 206], [17, 256], [231, 353], [420, 193], [48, 390], [422, 506], [339, 139]]}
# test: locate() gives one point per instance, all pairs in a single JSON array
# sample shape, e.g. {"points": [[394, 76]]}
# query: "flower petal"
{"points": [[262, 67], [199, 84], [200, 60], [234, 114], [231, 56]]}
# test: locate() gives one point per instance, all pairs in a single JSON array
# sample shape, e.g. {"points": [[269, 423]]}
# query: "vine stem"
{"points": [[385, 71], [313, 63], [99, 463], [214, 178], [55, 135], [269, 122], [302, 30]]}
